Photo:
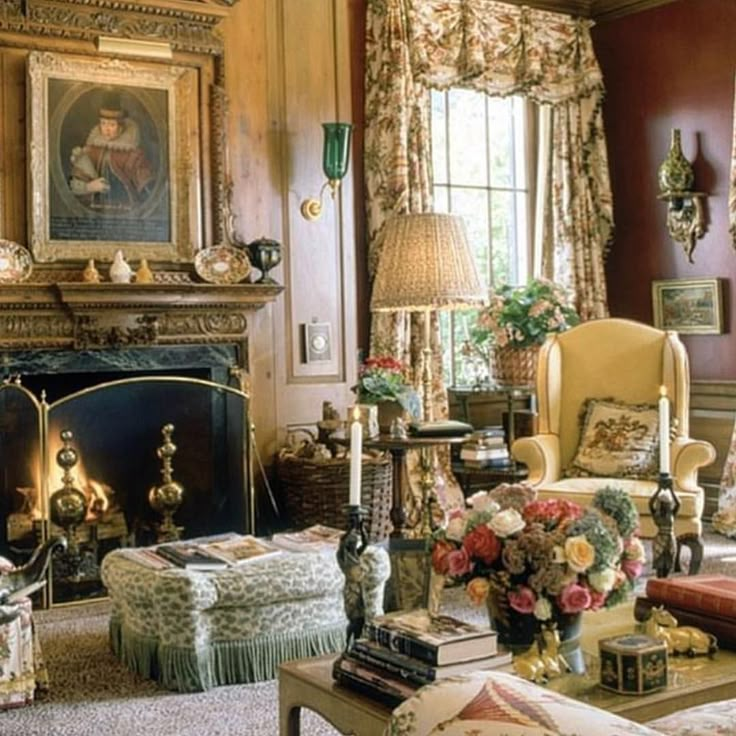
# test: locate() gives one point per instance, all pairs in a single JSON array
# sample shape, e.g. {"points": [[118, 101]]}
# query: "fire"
{"points": [[98, 494]]}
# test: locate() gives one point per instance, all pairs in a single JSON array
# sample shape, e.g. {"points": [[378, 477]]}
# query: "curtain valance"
{"points": [[502, 49]]}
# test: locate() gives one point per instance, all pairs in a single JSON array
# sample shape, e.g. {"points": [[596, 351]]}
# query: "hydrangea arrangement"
{"points": [[383, 378], [542, 557], [521, 316]]}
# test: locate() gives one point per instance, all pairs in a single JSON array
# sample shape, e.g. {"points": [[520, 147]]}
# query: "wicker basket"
{"points": [[316, 492], [516, 366]]}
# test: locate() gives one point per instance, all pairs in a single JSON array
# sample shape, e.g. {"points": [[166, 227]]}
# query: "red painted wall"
{"points": [[670, 67]]}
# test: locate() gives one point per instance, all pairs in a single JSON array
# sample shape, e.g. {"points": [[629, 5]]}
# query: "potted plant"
{"points": [[516, 322], [382, 381]]}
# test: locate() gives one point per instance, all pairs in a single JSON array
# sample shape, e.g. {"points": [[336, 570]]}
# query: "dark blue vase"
{"points": [[523, 629]]}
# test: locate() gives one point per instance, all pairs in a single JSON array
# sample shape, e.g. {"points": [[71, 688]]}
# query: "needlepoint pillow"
{"points": [[617, 440]]}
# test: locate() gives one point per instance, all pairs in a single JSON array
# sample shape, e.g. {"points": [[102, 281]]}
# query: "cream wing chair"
{"points": [[626, 362]]}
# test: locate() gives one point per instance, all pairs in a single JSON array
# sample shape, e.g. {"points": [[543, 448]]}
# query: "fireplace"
{"points": [[113, 367], [115, 430]]}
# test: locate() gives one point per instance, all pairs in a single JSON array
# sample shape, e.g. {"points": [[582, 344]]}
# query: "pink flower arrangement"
{"points": [[542, 557]]}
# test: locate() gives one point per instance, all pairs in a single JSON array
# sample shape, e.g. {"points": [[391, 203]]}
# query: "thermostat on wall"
{"points": [[317, 342]]}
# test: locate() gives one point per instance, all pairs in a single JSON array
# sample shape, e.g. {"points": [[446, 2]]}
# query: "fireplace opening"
{"points": [[117, 430]]}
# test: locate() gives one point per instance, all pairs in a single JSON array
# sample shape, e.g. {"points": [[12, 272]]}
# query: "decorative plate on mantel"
{"points": [[16, 263], [222, 264]]}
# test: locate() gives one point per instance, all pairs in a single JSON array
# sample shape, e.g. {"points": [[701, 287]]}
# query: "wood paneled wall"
{"points": [[670, 67], [288, 69], [712, 415]]}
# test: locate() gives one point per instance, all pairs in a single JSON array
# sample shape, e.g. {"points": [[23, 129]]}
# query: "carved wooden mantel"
{"points": [[87, 316]]}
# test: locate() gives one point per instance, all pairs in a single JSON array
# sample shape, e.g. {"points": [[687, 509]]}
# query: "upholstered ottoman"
{"points": [[195, 630]]}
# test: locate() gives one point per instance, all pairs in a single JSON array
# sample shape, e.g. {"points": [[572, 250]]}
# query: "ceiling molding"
{"points": [[570, 7], [603, 10], [599, 10]]}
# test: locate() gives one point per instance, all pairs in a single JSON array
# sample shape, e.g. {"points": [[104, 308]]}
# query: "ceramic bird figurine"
{"points": [[91, 275], [120, 271], [144, 275]]}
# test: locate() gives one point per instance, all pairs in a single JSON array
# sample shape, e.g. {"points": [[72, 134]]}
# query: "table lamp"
{"points": [[426, 264]]}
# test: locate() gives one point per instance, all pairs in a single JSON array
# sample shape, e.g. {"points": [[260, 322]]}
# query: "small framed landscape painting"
{"points": [[689, 306]]}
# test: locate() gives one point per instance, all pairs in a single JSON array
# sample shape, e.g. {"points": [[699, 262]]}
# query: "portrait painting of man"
{"points": [[109, 177]]}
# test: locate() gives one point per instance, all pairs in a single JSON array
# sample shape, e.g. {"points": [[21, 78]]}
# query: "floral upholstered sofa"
{"points": [[501, 704]]}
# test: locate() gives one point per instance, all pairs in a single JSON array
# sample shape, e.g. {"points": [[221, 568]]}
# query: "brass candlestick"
{"points": [[68, 505], [167, 497]]}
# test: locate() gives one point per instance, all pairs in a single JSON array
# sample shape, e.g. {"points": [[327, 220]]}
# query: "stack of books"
{"points": [[486, 448], [705, 601], [405, 650]]}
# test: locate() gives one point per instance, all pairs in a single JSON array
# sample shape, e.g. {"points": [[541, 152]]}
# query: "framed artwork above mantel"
{"points": [[55, 68], [114, 159]]}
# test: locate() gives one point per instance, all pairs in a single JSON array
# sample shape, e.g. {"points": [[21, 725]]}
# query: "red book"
{"points": [[711, 594]]}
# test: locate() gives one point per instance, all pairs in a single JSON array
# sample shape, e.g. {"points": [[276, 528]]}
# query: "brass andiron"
{"points": [[167, 497], [68, 504]]}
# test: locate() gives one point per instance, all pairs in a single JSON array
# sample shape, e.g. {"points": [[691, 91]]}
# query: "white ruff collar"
{"points": [[128, 140]]}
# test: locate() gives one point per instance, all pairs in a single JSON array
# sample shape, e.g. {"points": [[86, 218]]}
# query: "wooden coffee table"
{"points": [[308, 683], [691, 681]]}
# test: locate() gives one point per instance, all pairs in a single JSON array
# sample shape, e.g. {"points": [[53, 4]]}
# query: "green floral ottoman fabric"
{"points": [[195, 630]]}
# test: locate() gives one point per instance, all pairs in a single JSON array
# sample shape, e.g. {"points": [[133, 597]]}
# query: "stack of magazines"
{"points": [[405, 650], [212, 553]]}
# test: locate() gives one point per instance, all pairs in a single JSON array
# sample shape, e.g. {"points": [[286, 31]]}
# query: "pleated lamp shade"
{"points": [[426, 264]]}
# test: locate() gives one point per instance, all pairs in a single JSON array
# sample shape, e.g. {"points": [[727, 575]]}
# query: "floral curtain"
{"points": [[416, 45], [732, 187]]}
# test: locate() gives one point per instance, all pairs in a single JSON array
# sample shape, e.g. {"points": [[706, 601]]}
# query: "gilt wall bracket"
{"points": [[685, 218]]}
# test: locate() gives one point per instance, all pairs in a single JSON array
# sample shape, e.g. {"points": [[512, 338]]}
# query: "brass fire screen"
{"points": [[114, 441]]}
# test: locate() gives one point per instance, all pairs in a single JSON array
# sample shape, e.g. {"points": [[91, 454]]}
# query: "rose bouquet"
{"points": [[542, 557]]}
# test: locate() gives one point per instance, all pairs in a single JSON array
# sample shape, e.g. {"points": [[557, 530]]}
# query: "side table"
{"points": [[473, 479], [410, 567], [398, 449]]}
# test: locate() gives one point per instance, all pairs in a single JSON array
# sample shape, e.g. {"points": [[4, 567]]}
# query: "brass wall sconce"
{"points": [[685, 207], [335, 157]]}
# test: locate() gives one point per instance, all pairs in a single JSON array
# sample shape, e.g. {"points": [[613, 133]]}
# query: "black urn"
{"points": [[265, 254]]}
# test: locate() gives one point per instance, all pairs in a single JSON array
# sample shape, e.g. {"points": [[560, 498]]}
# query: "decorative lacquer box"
{"points": [[633, 664]]}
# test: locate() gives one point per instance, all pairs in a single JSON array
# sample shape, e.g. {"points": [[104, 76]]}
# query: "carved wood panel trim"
{"points": [[186, 26]]}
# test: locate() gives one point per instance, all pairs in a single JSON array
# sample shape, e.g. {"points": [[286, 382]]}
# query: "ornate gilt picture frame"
{"points": [[114, 159], [689, 306]]}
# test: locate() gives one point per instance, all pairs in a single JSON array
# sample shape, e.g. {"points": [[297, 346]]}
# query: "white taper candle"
{"points": [[664, 431], [356, 455]]}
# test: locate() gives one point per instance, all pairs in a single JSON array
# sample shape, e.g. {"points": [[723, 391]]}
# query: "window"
{"points": [[480, 166]]}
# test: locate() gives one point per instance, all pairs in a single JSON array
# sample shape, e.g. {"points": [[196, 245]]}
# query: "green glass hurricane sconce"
{"points": [[335, 157]]}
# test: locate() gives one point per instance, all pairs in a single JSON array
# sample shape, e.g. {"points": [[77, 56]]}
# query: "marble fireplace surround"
{"points": [[83, 334]]}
